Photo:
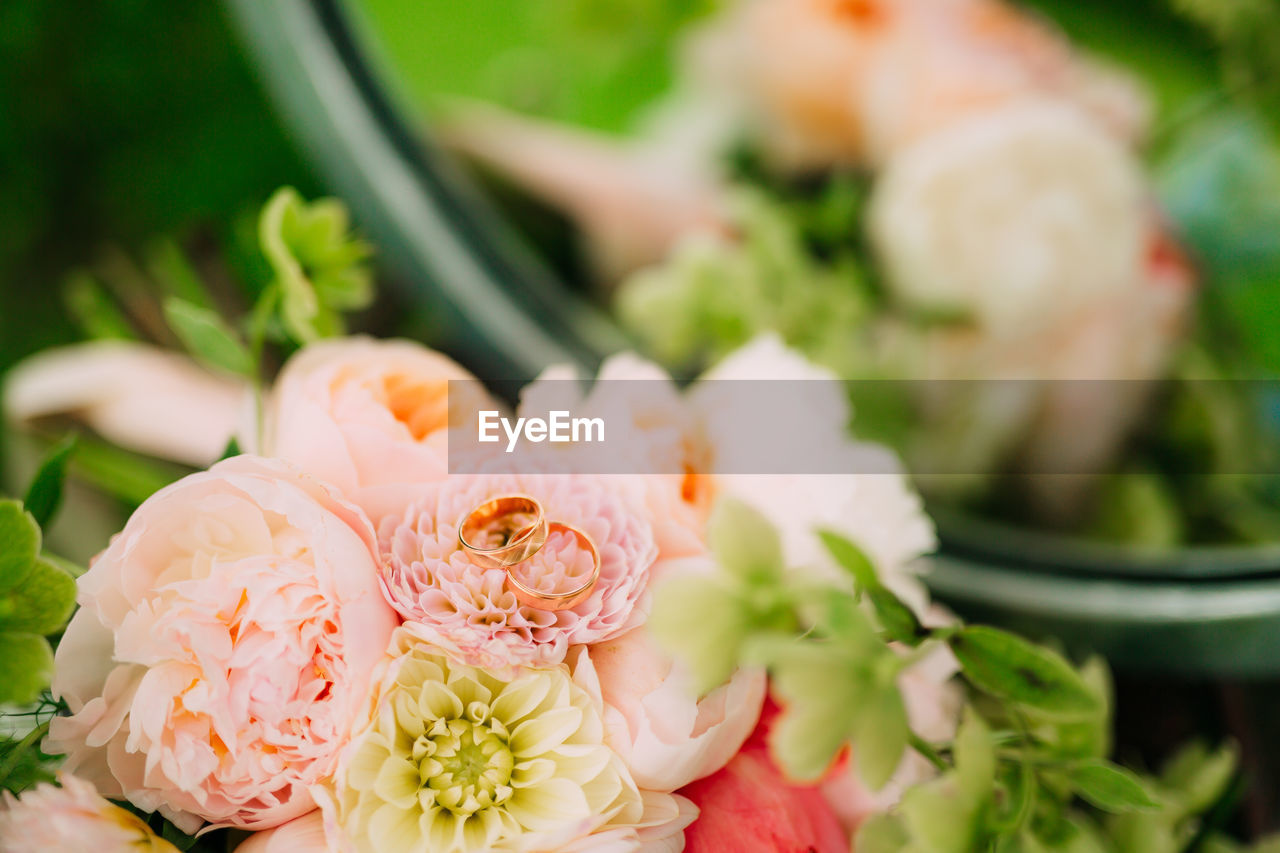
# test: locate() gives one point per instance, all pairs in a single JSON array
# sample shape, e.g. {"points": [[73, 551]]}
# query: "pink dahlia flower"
{"points": [[470, 610]]}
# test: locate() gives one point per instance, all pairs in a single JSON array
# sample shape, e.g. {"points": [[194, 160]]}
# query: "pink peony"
{"points": [[304, 834], [71, 818], [749, 807], [665, 733], [470, 610], [222, 652], [369, 416]]}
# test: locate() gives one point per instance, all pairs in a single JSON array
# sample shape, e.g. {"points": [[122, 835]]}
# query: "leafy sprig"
{"points": [[1028, 767]]}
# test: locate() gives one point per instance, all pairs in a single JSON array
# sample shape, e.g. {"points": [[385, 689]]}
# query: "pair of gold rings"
{"points": [[504, 532]]}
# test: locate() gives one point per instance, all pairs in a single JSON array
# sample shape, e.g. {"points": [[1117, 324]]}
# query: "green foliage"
{"points": [[208, 337], [1028, 768], [709, 298], [44, 495], [36, 597], [319, 267], [712, 616], [1013, 669]]}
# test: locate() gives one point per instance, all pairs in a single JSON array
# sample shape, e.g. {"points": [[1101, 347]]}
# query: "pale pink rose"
{"points": [[138, 396], [470, 610], [369, 416], [72, 818], [665, 733], [222, 650], [304, 834]]}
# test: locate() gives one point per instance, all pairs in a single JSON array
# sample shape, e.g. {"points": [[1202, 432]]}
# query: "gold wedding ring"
{"points": [[539, 600], [503, 531]]}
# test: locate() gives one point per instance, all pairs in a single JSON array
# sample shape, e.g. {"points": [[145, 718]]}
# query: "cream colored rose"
{"points": [[369, 416], [1014, 218]]}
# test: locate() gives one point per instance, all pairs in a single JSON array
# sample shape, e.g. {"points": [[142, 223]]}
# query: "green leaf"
{"points": [[26, 667], [1195, 778], [208, 337], [19, 544], [1009, 667], [880, 736], [44, 495], [41, 604], [93, 310], [822, 690], [232, 449], [745, 543], [881, 833], [701, 620], [169, 267], [1110, 787], [896, 618]]}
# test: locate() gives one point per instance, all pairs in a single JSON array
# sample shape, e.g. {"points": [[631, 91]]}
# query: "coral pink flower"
{"points": [[470, 610], [71, 818], [749, 807], [369, 416], [223, 648]]}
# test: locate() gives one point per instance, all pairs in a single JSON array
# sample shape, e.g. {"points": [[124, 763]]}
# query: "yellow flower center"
{"points": [[467, 764]]}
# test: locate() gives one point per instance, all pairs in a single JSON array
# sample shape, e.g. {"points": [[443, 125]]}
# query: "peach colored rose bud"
{"points": [[72, 818], [369, 416]]}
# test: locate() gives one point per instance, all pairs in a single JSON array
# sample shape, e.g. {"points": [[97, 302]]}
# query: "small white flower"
{"points": [[1014, 218]]}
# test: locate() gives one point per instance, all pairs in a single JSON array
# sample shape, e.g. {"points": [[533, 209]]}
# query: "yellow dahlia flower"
{"points": [[456, 759]]}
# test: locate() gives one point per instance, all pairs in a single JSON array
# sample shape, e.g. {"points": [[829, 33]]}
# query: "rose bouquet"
{"points": [[968, 190], [300, 648]]}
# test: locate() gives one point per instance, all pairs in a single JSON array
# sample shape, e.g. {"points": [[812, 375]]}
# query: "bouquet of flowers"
{"points": [[925, 190], [337, 637]]}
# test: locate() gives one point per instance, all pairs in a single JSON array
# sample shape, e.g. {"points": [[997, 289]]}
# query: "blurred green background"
{"points": [[120, 121]]}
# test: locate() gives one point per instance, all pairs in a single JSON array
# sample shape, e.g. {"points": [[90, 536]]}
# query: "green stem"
{"points": [[927, 749], [11, 760]]}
